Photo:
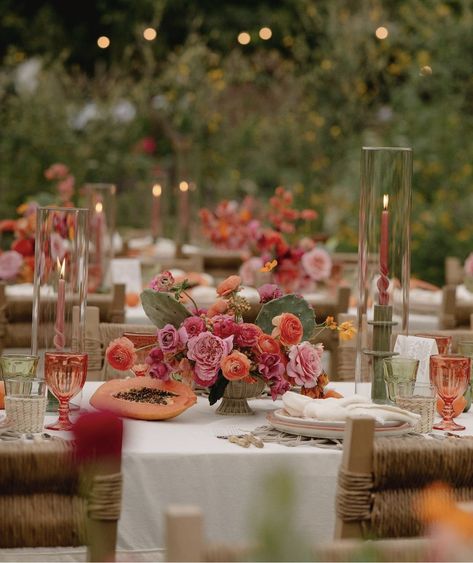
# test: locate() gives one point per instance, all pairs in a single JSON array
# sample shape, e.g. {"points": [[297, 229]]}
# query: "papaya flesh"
{"points": [[143, 398]]}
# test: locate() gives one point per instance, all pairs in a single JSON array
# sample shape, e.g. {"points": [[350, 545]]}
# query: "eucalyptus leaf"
{"points": [[287, 304], [161, 308]]}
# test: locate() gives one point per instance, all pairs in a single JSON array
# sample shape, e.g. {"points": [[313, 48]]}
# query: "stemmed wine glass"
{"points": [[450, 374], [65, 375]]}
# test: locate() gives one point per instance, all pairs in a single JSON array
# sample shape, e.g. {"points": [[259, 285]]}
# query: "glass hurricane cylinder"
{"points": [[60, 281], [383, 259], [101, 203]]}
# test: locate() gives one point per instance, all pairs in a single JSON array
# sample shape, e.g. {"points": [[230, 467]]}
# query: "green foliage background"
{"points": [[293, 110]]}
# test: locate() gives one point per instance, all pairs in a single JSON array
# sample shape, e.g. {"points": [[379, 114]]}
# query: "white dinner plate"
{"points": [[328, 429]]}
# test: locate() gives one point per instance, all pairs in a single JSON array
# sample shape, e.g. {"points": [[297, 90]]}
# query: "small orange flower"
{"points": [[330, 323], [346, 330], [269, 266]]}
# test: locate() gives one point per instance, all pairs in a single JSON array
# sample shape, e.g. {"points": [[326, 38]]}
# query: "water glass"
{"points": [[18, 365], [25, 403], [444, 343], [65, 375], [398, 369], [420, 398], [465, 348], [450, 374]]}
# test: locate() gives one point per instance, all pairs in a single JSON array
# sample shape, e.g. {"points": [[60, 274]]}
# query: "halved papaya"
{"points": [[143, 398]]}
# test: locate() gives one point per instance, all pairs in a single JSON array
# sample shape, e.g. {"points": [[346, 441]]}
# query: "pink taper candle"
{"points": [[383, 281], [156, 210], [59, 336]]}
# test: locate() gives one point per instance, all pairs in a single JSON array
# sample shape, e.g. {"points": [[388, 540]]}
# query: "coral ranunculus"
{"points": [[267, 345], [235, 366], [218, 308], [121, 354], [228, 286], [288, 328]]}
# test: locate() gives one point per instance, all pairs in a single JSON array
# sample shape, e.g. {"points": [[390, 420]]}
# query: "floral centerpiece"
{"points": [[17, 258], [216, 348]]}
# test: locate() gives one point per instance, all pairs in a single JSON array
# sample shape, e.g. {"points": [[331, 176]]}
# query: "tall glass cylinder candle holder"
{"points": [[60, 281], [383, 259], [101, 202], [159, 187]]}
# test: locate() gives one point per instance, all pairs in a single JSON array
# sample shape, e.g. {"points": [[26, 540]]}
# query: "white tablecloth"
{"points": [[182, 461]]}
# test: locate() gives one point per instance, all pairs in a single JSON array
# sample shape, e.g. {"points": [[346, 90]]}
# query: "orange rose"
{"points": [[218, 308], [235, 366], [267, 344], [121, 354], [231, 284], [288, 328]]}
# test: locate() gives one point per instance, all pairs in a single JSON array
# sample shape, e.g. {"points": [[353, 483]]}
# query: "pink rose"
{"points": [[247, 335], [162, 282], [317, 264], [469, 265], [207, 351], [269, 291], [305, 363], [169, 340], [224, 326], [249, 270], [10, 264], [193, 326]]}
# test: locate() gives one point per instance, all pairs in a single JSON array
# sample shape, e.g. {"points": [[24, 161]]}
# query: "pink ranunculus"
{"points": [[317, 263], [162, 282], [469, 265], [269, 291], [207, 351], [278, 386], [193, 326], [308, 214], [224, 326], [160, 370], [58, 247], [249, 270], [305, 363], [270, 365], [168, 339], [247, 335], [10, 264]]}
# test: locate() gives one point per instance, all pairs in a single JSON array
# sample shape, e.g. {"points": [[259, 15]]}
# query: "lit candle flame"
{"points": [[99, 207], [385, 201], [157, 190], [183, 186], [61, 268]]}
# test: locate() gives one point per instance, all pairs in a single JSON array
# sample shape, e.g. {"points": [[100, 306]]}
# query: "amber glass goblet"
{"points": [[450, 374], [65, 375]]}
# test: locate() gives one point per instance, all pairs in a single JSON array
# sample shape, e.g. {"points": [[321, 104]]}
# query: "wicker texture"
{"points": [[26, 414], [425, 406], [234, 401], [401, 468]]}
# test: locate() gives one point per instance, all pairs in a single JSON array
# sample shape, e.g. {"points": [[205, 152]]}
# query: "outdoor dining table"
{"points": [[182, 461]]}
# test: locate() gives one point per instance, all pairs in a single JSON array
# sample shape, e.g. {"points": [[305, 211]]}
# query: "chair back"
{"points": [[380, 480]]}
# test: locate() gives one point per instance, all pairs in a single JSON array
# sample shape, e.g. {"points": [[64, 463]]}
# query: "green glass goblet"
{"points": [[398, 369]]}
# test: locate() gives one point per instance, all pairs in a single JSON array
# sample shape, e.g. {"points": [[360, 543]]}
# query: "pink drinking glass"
{"points": [[444, 343], [65, 375], [450, 374]]}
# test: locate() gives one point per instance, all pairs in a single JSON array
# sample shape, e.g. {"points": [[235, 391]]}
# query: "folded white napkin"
{"points": [[340, 409]]}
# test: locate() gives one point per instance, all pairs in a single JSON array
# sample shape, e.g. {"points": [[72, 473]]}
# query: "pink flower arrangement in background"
{"points": [[10, 265], [468, 266]]}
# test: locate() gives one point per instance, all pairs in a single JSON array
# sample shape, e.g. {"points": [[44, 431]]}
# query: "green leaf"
{"points": [[161, 308], [218, 388], [287, 304]]}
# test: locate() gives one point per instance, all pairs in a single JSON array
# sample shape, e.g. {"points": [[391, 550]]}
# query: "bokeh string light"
{"points": [[382, 32], [103, 42], [244, 38], [150, 34]]}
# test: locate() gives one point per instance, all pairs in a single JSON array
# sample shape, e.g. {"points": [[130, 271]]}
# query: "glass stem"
{"points": [[447, 411], [64, 412]]}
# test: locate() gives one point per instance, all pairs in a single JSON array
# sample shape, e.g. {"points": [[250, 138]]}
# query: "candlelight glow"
{"points": [[385, 201], [61, 267], [157, 190], [183, 186], [99, 207]]}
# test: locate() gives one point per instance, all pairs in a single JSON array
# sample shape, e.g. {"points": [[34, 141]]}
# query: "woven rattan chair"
{"points": [[46, 502], [379, 480]]}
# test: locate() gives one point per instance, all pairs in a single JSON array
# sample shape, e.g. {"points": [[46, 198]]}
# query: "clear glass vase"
{"points": [[383, 259], [60, 282], [100, 199]]}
